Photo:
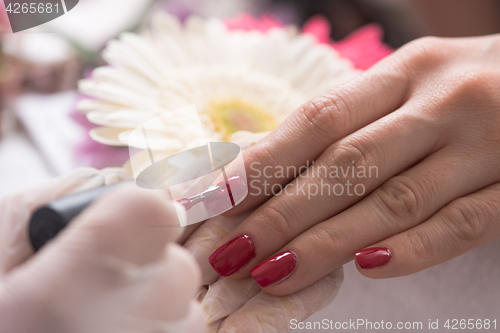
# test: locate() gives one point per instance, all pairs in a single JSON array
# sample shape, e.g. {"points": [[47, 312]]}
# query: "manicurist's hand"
{"points": [[114, 269], [405, 172]]}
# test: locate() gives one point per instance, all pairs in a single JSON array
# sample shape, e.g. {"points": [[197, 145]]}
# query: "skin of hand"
{"points": [[241, 305], [427, 118], [109, 271]]}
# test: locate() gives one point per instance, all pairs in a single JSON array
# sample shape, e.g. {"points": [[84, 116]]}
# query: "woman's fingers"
{"points": [[345, 172], [304, 136], [460, 226], [267, 313], [202, 242], [398, 205]]}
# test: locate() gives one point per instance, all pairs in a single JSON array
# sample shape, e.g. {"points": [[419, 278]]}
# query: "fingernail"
{"points": [[233, 255], [373, 257], [274, 269], [234, 191]]}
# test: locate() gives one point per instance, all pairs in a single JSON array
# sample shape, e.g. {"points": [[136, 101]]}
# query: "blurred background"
{"points": [[42, 136]]}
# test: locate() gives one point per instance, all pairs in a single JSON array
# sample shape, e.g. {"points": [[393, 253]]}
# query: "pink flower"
{"points": [[4, 19], [364, 47], [247, 22]]}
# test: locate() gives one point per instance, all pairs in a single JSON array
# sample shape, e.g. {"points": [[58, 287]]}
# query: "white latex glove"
{"points": [[109, 271], [240, 306]]}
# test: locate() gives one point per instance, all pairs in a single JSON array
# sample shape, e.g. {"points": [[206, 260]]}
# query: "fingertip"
{"points": [[129, 223], [130, 204], [374, 262], [195, 319], [185, 265]]}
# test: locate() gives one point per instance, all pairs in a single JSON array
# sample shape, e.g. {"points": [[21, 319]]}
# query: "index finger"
{"points": [[323, 120]]}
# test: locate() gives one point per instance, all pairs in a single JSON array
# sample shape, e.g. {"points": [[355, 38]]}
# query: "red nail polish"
{"points": [[233, 255], [234, 191], [275, 269], [373, 257]]}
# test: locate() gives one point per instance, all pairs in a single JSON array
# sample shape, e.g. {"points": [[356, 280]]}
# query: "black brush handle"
{"points": [[47, 221]]}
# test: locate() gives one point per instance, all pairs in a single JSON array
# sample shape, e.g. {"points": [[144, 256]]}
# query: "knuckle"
{"points": [[400, 199], [328, 114], [425, 52], [472, 83], [263, 155], [466, 220], [420, 246], [425, 45], [473, 93], [109, 271], [278, 222], [357, 153], [328, 238]]}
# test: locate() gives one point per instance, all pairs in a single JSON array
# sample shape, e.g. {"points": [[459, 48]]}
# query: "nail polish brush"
{"points": [[209, 193]]}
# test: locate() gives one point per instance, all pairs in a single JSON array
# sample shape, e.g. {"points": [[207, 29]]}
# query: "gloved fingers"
{"points": [[108, 176], [188, 231], [202, 292], [167, 293], [128, 224], [192, 322], [339, 278], [16, 209], [226, 296], [213, 327], [266, 313], [114, 267], [202, 242], [114, 175], [153, 298]]}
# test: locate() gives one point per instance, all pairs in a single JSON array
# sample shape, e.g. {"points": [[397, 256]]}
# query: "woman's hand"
{"points": [[405, 172], [113, 270], [241, 305]]}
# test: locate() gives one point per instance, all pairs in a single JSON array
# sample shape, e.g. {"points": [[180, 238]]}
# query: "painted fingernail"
{"points": [[233, 255], [275, 269], [234, 191], [373, 257]]}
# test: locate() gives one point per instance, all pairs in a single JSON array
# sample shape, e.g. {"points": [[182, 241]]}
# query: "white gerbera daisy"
{"points": [[238, 80]]}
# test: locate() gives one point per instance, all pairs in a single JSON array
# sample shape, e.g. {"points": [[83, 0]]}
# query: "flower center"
{"points": [[232, 116]]}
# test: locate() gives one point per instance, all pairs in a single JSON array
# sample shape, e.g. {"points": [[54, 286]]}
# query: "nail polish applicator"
{"points": [[47, 221]]}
